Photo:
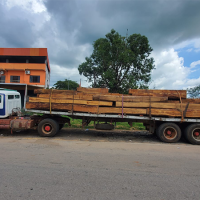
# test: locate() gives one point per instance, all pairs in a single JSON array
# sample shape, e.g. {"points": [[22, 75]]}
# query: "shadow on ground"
{"points": [[93, 135]]}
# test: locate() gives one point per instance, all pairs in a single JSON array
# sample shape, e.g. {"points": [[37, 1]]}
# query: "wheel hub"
{"points": [[47, 128], [196, 134], [169, 132]]}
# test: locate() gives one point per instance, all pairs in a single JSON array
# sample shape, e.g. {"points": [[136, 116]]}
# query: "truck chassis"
{"points": [[167, 129]]}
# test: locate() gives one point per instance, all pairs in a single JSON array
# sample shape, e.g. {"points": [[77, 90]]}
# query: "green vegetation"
{"points": [[66, 85], [194, 92], [119, 63], [77, 123]]}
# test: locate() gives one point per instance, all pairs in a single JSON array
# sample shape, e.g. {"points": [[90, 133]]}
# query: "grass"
{"points": [[77, 123]]}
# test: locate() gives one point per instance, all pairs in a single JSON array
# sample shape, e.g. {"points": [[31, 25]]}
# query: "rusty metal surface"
{"points": [[5, 121], [4, 126], [21, 124]]}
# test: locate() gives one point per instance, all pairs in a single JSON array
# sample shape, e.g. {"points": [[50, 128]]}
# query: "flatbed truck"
{"points": [[48, 123]]}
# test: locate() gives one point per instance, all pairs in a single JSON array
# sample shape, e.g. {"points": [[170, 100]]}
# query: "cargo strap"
{"points": [[186, 107], [149, 106], [182, 115], [122, 106], [50, 100], [73, 103], [98, 105], [149, 103]]}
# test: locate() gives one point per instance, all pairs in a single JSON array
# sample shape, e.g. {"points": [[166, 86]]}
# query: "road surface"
{"points": [[85, 164]]}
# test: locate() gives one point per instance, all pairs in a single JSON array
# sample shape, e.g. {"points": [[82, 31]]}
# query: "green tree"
{"points": [[65, 85], [119, 63], [194, 92]]}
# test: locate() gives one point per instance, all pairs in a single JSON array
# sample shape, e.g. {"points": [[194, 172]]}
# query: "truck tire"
{"points": [[169, 132], [104, 126], [192, 133], [48, 128]]}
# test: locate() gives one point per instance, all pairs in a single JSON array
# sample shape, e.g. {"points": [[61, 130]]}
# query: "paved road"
{"points": [[97, 165]]}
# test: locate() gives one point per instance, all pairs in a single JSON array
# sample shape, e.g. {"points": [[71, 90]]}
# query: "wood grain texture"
{"points": [[174, 94], [98, 100], [49, 91], [128, 98], [173, 112], [157, 105], [113, 110], [67, 96], [197, 101], [62, 107], [92, 90], [75, 101]]}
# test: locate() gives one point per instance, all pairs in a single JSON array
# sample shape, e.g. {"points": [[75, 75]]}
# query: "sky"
{"points": [[68, 29]]}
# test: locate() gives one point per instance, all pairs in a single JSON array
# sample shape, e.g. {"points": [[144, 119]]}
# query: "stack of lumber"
{"points": [[171, 103]]}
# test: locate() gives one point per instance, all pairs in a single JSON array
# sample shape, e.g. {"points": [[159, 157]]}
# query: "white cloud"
{"points": [[197, 43], [189, 50], [170, 72], [197, 50], [62, 73], [194, 64], [36, 6], [193, 82], [193, 43], [67, 29]]}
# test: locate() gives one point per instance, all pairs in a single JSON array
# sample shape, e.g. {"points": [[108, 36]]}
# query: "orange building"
{"points": [[22, 68], [25, 65]]}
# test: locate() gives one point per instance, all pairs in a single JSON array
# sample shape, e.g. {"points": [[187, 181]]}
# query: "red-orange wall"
{"points": [[16, 69]]}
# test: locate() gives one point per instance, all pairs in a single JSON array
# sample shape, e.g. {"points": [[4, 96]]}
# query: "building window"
{"points": [[2, 79], [34, 79], [15, 79]]}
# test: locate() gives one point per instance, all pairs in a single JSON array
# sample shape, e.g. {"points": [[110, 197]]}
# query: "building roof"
{"points": [[25, 52]]}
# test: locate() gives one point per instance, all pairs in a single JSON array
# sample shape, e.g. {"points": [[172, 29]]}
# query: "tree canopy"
{"points": [[194, 92], [119, 63], [65, 85]]}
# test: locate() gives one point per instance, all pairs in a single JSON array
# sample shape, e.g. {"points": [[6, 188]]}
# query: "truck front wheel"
{"points": [[192, 133], [48, 128], [169, 132]]}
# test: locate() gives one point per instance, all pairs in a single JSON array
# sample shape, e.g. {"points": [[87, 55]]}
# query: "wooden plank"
{"points": [[197, 101], [128, 98], [67, 96], [49, 91], [75, 101], [94, 94], [105, 110], [92, 90], [173, 113], [62, 107], [83, 108], [174, 94], [113, 110], [157, 105]]}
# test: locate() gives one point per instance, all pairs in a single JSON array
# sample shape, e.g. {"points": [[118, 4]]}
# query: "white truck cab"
{"points": [[9, 100]]}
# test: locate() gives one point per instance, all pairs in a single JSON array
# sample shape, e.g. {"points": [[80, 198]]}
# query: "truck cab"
{"points": [[9, 100]]}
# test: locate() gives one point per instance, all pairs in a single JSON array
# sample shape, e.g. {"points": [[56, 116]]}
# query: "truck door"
{"points": [[2, 104]]}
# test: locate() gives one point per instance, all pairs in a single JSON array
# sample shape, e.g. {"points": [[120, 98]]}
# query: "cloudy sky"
{"points": [[69, 27]]}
